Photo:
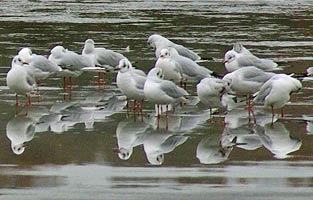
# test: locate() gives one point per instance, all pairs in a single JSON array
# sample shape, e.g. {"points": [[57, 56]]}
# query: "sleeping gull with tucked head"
{"points": [[240, 57], [275, 93], [159, 42], [42, 67]]}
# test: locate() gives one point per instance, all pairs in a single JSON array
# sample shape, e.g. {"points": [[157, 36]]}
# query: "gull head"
{"points": [[89, 46], [164, 53], [153, 39], [124, 65], [230, 56], [58, 50], [17, 61], [228, 79], [156, 73], [25, 54]]}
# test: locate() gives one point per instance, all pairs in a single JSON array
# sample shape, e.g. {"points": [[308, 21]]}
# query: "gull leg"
{"points": [[71, 87], [158, 116], [134, 109], [104, 78], [282, 113], [64, 84], [141, 108], [166, 116], [250, 110], [273, 114], [16, 103], [127, 106], [71, 82], [27, 100], [99, 79]]}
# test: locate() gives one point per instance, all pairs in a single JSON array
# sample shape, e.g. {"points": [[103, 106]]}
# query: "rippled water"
{"points": [[71, 144]]}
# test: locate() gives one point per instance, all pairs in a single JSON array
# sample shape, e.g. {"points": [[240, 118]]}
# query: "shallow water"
{"points": [[71, 143]]}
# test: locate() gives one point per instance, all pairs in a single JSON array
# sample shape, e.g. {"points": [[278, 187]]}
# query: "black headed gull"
{"points": [[240, 57], [159, 42], [131, 81], [41, 65], [247, 80], [275, 93], [20, 79], [170, 68], [189, 69], [160, 91], [102, 58], [71, 62], [210, 90]]}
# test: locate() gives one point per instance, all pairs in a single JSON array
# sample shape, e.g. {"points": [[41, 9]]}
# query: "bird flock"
{"points": [[165, 85]]}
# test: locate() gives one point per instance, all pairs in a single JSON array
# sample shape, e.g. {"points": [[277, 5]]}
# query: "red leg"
{"points": [[104, 78], [158, 116], [16, 100], [99, 79], [71, 82], [64, 84], [166, 116]]}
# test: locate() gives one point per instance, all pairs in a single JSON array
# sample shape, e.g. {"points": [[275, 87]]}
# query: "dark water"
{"points": [[71, 145]]}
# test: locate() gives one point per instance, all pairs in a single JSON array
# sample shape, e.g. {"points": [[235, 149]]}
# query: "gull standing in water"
{"points": [[160, 91], [210, 91], [170, 68], [103, 58], [71, 63], [130, 82], [246, 81], [159, 42], [188, 68], [20, 79], [240, 57], [275, 93], [42, 67]]}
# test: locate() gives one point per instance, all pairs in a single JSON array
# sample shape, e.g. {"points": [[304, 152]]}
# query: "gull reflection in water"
{"points": [[19, 130], [129, 134], [158, 143], [245, 137], [65, 115], [309, 123], [182, 121], [211, 151], [240, 116], [276, 138]]}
